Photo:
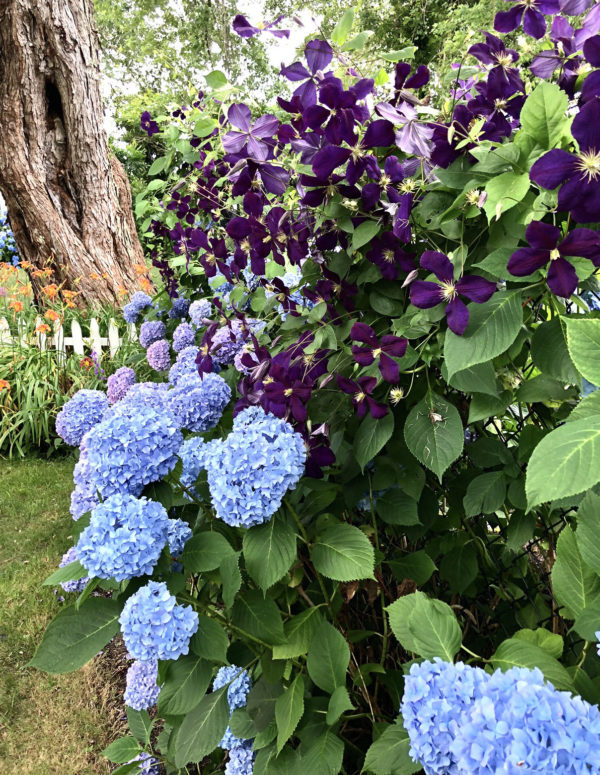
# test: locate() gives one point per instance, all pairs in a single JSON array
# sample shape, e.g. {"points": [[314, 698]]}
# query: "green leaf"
{"points": [[71, 572], [339, 703], [122, 750], [202, 729], [583, 342], [231, 578], [587, 407], [434, 433], [342, 29], [364, 233], [389, 755], [324, 756], [395, 507], [587, 623], [484, 406], [328, 658], [550, 354], [492, 328], [289, 708], [588, 531], [205, 552], [186, 682], [140, 725], [258, 616], [299, 632], [542, 388], [417, 566], [485, 494], [344, 553], [504, 191], [435, 629], [268, 763], [399, 612], [210, 640], [460, 567], [515, 652], [565, 462], [76, 636], [269, 550], [480, 378], [543, 115], [550, 642], [371, 437], [358, 41], [158, 165], [575, 585], [216, 79], [261, 703]]}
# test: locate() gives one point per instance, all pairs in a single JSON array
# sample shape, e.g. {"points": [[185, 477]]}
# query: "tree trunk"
{"points": [[67, 196]]}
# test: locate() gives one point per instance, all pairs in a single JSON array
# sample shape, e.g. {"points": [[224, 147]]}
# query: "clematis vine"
{"points": [[380, 350]]}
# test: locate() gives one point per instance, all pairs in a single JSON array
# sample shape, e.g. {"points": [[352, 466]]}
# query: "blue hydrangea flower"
{"points": [[124, 538], [250, 471], [519, 723], [142, 689], [183, 336], [179, 533], [85, 496], [185, 364], [229, 340], [82, 501], [200, 309], [179, 308], [151, 394], [151, 331], [198, 403], [119, 383], [139, 301], [148, 764], [241, 761], [158, 355], [191, 454], [72, 586], [80, 414], [237, 697], [155, 626], [437, 698], [131, 448]]}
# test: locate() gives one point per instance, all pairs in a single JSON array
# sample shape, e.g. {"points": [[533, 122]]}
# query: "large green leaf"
{"points": [[543, 115], [574, 584], [399, 612], [588, 531], [504, 191], [140, 724], [210, 640], [231, 578], [583, 341], [364, 233], [324, 756], [565, 462], [328, 658], [417, 566], [485, 494], [185, 684], [71, 572], [122, 750], [480, 378], [269, 550], [289, 708], [515, 652], [202, 728], [389, 754], [395, 507], [492, 328], [344, 553], [587, 407], [435, 629], [342, 29], [460, 567], [371, 437], [258, 616], [76, 635], [299, 632], [434, 433], [339, 703], [549, 351], [205, 552]]}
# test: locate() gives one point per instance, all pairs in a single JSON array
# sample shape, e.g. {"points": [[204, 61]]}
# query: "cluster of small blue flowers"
{"points": [[151, 331], [179, 308], [154, 626], [241, 761], [250, 471], [119, 383], [240, 684], [131, 448], [150, 394], [77, 585], [158, 355], [198, 404], [185, 364], [142, 689], [229, 340], [148, 764], [199, 310], [84, 497], [80, 414], [191, 454], [8, 247], [124, 538], [139, 301], [461, 720], [183, 336], [178, 533]]}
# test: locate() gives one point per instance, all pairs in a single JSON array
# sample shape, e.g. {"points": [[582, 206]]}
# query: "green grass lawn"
{"points": [[49, 725]]}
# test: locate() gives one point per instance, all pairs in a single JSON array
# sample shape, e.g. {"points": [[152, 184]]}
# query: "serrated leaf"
{"points": [[140, 725], [339, 703], [434, 433], [389, 754], [588, 531], [216, 79], [587, 407], [399, 612], [299, 632], [328, 658], [587, 624], [543, 116], [417, 566], [231, 578], [550, 354], [583, 343], [485, 494], [480, 378], [258, 616], [371, 437], [122, 750], [435, 629], [289, 708], [269, 551], [395, 507], [202, 729], [261, 704], [344, 553], [460, 567], [518, 653], [324, 756], [186, 682], [575, 585], [210, 640], [205, 552]]}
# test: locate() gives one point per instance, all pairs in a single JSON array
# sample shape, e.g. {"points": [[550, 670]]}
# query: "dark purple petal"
{"points": [[507, 21], [591, 50], [562, 278], [548, 7], [242, 26], [377, 410], [590, 88], [586, 127], [329, 158], [402, 219], [370, 195], [483, 53], [315, 116], [239, 115], [318, 54], [544, 64], [238, 228], [265, 126], [553, 168], [542, 235], [575, 7], [363, 355], [439, 264], [389, 369], [295, 72], [525, 261], [257, 149], [361, 332], [581, 242], [419, 78], [379, 134], [347, 385], [534, 23], [457, 315], [234, 142], [362, 88], [425, 295], [476, 288], [394, 345], [275, 179]]}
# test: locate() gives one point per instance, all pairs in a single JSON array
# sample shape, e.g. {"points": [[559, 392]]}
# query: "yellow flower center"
{"points": [[385, 181], [377, 352], [554, 254], [388, 256], [357, 153], [589, 164], [268, 380], [504, 59], [359, 396], [448, 291], [288, 392], [396, 395]]}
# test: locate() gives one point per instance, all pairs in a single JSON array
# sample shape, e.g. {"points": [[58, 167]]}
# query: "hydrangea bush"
{"points": [[370, 458]]}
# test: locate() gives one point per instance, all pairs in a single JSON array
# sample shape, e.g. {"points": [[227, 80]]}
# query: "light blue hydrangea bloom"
{"points": [[151, 394], [179, 308], [82, 501], [183, 336], [119, 383], [179, 532], [77, 585], [158, 355], [155, 626], [191, 454], [200, 309], [80, 414], [185, 364], [124, 538], [437, 698], [142, 689], [139, 301], [130, 449], [241, 761], [520, 723], [148, 764], [237, 697], [250, 471], [151, 331], [84, 497], [198, 403]]}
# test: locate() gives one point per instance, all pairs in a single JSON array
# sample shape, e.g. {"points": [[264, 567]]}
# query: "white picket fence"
{"points": [[60, 343]]}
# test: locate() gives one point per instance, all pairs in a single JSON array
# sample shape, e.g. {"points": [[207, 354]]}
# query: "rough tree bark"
{"points": [[67, 196]]}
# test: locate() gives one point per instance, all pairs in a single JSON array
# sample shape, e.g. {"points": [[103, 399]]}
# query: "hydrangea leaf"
{"points": [[480, 378], [259, 617], [210, 640], [459, 567], [205, 552], [389, 754], [140, 725], [434, 433], [121, 751], [575, 585], [543, 115], [328, 658], [71, 572], [371, 437], [202, 728], [399, 612], [344, 553], [395, 507], [587, 623], [289, 708], [587, 407], [435, 629], [588, 523], [325, 755], [299, 632], [550, 354], [269, 763], [583, 342], [231, 578], [339, 703], [417, 566], [485, 494], [185, 684], [515, 652], [269, 550], [261, 704]]}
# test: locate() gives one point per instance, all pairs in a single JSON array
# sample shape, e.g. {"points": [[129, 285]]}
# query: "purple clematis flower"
{"points": [[361, 390], [148, 125], [250, 137], [386, 253], [318, 55], [494, 52], [424, 294], [378, 350], [530, 12], [547, 247], [244, 29], [379, 134], [577, 174]]}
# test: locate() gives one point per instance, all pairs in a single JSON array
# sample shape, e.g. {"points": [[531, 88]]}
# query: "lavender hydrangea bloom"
{"points": [[154, 626], [77, 585], [184, 365], [139, 301], [197, 404], [199, 309], [251, 470], [151, 331], [228, 341], [151, 394], [437, 698], [119, 383], [124, 538], [148, 764], [183, 336], [241, 761], [191, 454], [84, 497], [158, 355], [80, 414], [179, 308], [142, 689], [132, 448], [237, 696], [179, 533], [82, 501]]}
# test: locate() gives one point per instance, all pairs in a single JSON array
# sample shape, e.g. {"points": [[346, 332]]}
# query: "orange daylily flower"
{"points": [[70, 304], [26, 264], [16, 305], [4, 385], [51, 291], [51, 315], [140, 269], [38, 273], [86, 363], [146, 285], [48, 272], [43, 328]]}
